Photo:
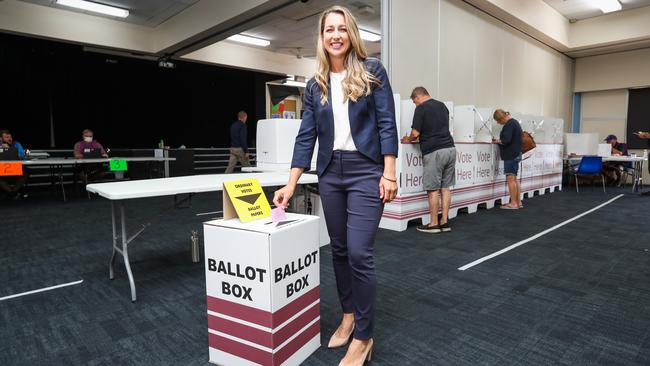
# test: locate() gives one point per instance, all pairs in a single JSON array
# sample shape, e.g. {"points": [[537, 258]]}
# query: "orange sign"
{"points": [[8, 169]]}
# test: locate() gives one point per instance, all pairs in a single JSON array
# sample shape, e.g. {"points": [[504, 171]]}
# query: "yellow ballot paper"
{"points": [[245, 199]]}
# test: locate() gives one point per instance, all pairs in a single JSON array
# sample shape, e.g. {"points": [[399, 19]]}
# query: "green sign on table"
{"points": [[118, 165]]}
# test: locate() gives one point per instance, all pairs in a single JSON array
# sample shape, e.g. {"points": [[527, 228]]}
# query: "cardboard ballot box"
{"points": [[263, 290]]}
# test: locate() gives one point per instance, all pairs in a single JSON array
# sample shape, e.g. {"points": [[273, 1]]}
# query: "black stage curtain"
{"points": [[128, 102], [638, 117]]}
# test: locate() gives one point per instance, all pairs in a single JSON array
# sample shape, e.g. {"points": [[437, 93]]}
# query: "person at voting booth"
{"points": [[12, 150], [510, 142], [431, 128], [349, 108]]}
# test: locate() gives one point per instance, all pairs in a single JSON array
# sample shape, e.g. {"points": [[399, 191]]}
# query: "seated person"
{"points": [[13, 186], [88, 146], [612, 169]]}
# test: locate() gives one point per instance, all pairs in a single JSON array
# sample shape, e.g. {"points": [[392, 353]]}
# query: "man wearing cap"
{"points": [[613, 168]]}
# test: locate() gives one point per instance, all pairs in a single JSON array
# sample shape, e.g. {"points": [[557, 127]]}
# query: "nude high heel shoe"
{"points": [[366, 358], [336, 342]]}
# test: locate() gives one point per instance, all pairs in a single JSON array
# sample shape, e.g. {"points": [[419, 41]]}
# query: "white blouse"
{"points": [[342, 135]]}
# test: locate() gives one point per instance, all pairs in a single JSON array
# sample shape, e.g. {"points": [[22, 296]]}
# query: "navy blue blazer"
{"points": [[372, 123]]}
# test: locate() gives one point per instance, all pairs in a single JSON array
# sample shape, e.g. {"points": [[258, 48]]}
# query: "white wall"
{"points": [[462, 55], [231, 54], [604, 113], [604, 82], [629, 25], [613, 71], [535, 17]]}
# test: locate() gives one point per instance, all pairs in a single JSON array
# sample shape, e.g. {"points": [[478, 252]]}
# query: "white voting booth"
{"points": [[263, 288], [479, 168], [581, 143], [274, 146]]}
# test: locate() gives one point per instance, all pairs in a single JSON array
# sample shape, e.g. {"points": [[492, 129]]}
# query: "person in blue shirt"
{"points": [[238, 143], [510, 148], [13, 186]]}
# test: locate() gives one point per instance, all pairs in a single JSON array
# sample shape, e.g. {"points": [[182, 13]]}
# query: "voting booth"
{"points": [[479, 173], [274, 146], [262, 284]]}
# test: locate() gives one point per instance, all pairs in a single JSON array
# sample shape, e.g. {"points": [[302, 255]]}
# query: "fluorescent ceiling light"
{"points": [[608, 6], [95, 7], [369, 36], [249, 40]]}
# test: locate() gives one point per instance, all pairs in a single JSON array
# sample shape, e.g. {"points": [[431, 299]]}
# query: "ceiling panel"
{"points": [[294, 29], [143, 12], [582, 9]]}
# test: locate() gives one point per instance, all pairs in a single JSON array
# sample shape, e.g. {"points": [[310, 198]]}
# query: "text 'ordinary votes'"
{"points": [[259, 274]]}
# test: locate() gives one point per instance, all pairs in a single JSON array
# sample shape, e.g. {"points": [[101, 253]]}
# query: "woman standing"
{"points": [[349, 107]]}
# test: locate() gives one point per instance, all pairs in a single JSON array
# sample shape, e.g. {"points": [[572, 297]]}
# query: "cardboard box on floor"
{"points": [[263, 289]]}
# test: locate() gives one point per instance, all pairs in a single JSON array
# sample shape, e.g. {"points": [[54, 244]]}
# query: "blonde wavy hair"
{"points": [[358, 81]]}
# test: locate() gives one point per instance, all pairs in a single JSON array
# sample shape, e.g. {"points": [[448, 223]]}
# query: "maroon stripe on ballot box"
{"points": [[261, 337], [263, 357], [257, 336], [296, 306], [261, 317], [239, 311], [297, 343], [240, 350]]}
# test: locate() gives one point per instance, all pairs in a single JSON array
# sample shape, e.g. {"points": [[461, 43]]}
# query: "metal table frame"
{"points": [[121, 240]]}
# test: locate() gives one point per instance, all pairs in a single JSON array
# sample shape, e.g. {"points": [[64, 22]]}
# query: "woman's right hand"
{"points": [[282, 196]]}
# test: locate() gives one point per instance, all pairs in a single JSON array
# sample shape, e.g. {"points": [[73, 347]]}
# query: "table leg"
{"points": [[53, 179], [640, 175], [111, 264], [61, 182], [635, 184], [125, 252], [166, 162]]}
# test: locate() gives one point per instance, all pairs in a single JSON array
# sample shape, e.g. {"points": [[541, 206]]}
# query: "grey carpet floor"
{"points": [[577, 296]]}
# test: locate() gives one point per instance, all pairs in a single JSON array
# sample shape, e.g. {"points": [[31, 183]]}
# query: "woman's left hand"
{"points": [[387, 190]]}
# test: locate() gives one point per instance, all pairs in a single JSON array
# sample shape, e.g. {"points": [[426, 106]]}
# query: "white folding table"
{"points": [[637, 163], [119, 192], [59, 163]]}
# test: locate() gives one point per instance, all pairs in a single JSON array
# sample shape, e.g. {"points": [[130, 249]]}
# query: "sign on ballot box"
{"points": [[263, 290]]}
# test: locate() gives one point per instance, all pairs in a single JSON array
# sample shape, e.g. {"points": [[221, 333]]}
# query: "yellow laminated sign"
{"points": [[245, 199]]}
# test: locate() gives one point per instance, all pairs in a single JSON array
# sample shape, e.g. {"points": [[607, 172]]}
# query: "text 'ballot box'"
{"points": [[263, 290]]}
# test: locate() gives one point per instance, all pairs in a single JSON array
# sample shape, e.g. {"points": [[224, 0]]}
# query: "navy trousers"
{"points": [[349, 190]]}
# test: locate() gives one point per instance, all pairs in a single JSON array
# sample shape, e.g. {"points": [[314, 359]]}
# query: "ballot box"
{"points": [[263, 290]]}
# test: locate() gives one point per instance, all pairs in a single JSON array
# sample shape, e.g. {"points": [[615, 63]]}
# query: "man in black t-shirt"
{"points": [[431, 128]]}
